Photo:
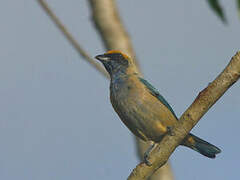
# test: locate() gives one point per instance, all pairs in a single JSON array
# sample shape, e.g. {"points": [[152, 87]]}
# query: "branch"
{"points": [[112, 31], [71, 39], [189, 119], [163, 173]]}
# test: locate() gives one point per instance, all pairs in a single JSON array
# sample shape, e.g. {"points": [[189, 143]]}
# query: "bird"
{"points": [[141, 107]]}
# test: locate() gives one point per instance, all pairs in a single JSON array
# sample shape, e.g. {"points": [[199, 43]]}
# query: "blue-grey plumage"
{"points": [[141, 107]]}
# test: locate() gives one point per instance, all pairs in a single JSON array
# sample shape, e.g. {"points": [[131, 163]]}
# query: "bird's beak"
{"points": [[102, 58]]}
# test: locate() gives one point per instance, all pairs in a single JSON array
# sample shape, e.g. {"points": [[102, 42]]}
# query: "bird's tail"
{"points": [[201, 146]]}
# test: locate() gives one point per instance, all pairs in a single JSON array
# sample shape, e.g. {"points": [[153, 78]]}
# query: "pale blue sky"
{"points": [[56, 121]]}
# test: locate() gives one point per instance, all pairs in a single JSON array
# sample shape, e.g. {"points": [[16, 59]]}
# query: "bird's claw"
{"points": [[170, 131], [147, 153], [146, 159]]}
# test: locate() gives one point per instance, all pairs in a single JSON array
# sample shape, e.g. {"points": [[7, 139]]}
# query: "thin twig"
{"points": [[71, 39]]}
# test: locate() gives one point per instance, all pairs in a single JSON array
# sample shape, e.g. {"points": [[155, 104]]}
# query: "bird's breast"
{"points": [[138, 109], [127, 93]]}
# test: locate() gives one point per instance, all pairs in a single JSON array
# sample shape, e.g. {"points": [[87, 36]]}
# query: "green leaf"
{"points": [[216, 7], [238, 7]]}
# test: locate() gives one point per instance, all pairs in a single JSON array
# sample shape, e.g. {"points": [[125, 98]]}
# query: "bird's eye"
{"points": [[125, 62]]}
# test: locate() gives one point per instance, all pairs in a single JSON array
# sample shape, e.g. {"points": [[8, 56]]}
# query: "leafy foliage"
{"points": [[216, 7], [238, 7]]}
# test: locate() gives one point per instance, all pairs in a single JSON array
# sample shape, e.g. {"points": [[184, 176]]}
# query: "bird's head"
{"points": [[116, 63]]}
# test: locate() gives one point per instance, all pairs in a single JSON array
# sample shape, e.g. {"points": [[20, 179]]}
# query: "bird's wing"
{"points": [[155, 93]]}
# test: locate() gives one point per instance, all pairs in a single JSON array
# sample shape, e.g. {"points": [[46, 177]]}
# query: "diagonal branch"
{"points": [[71, 39], [189, 119]]}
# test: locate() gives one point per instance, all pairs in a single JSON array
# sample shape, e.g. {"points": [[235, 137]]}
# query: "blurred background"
{"points": [[56, 120]]}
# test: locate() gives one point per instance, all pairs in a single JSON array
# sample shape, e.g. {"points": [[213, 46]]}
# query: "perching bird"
{"points": [[141, 107]]}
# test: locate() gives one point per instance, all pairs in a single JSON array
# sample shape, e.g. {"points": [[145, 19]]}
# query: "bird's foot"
{"points": [[146, 161], [170, 131], [147, 153]]}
